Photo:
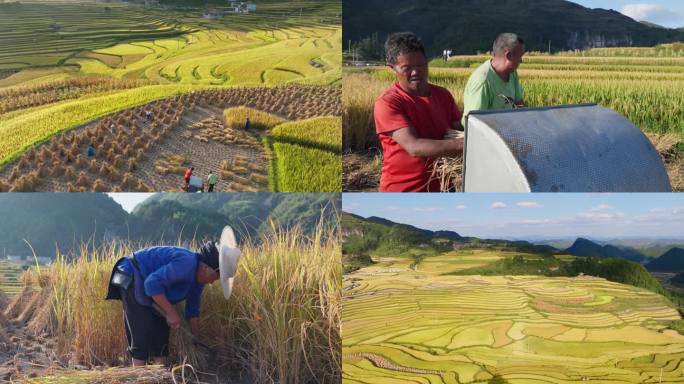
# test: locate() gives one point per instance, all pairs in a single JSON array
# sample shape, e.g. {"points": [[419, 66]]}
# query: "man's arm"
{"points": [[172, 317], [194, 325], [418, 147]]}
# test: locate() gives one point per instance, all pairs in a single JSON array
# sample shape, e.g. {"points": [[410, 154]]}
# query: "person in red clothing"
{"points": [[187, 176], [412, 118]]}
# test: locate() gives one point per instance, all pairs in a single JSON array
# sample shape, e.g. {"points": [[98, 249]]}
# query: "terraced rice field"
{"points": [[63, 72], [305, 162], [9, 278], [273, 46], [645, 89], [422, 326], [134, 152]]}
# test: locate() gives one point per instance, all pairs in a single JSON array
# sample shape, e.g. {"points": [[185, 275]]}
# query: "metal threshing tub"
{"points": [[573, 148]]}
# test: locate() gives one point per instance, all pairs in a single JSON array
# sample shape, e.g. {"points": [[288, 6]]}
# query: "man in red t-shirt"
{"points": [[187, 176], [411, 119]]}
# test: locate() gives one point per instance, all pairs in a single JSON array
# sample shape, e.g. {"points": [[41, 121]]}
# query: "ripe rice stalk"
{"points": [[57, 169], [82, 180], [93, 167], [449, 172], [69, 173], [104, 170], [81, 162], [128, 180], [666, 143], [238, 169], [259, 179], [142, 187], [15, 173], [99, 186]]}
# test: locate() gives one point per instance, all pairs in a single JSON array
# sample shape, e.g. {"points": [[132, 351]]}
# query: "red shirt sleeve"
{"points": [[389, 114]]}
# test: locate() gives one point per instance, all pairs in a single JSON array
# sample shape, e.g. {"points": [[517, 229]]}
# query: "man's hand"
{"points": [[417, 147], [194, 326], [173, 320]]}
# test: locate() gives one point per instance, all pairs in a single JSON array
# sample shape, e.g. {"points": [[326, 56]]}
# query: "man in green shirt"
{"points": [[212, 180], [494, 84]]}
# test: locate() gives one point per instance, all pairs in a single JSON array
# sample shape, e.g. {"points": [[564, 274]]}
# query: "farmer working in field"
{"points": [[494, 84], [412, 118], [153, 279], [212, 179], [187, 176]]}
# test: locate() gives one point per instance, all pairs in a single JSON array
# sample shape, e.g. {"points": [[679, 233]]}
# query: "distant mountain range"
{"points": [[63, 220], [670, 261], [367, 237], [585, 247], [470, 26]]}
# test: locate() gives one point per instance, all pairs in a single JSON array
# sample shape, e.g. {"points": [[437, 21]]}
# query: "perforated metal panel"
{"points": [[576, 148]]}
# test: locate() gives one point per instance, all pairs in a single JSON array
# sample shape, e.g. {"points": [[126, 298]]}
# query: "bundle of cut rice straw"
{"points": [[448, 170]]}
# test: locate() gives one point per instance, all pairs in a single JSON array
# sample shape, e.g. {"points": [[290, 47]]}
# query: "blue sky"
{"points": [[538, 215], [668, 13]]}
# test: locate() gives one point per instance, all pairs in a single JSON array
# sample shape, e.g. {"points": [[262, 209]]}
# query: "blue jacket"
{"points": [[171, 271]]}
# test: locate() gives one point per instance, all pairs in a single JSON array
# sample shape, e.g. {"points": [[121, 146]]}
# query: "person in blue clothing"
{"points": [[247, 124], [149, 283], [90, 151]]}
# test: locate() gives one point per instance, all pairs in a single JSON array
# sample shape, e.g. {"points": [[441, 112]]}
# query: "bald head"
{"points": [[506, 42]]}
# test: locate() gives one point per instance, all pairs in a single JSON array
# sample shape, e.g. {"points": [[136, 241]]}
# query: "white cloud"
{"points": [[662, 215], [498, 205], [461, 206], [649, 12], [426, 209], [600, 216], [536, 222], [600, 207], [528, 204]]}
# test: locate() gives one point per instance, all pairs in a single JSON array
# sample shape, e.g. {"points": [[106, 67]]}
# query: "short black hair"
{"points": [[400, 43], [209, 255], [506, 41]]}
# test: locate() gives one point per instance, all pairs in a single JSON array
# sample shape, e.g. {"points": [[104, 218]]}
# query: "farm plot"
{"points": [[147, 148], [307, 155], [170, 45], [10, 284], [403, 325], [643, 89]]}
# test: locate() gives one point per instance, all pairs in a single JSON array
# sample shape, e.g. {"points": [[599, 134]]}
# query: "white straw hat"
{"points": [[229, 256]]}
